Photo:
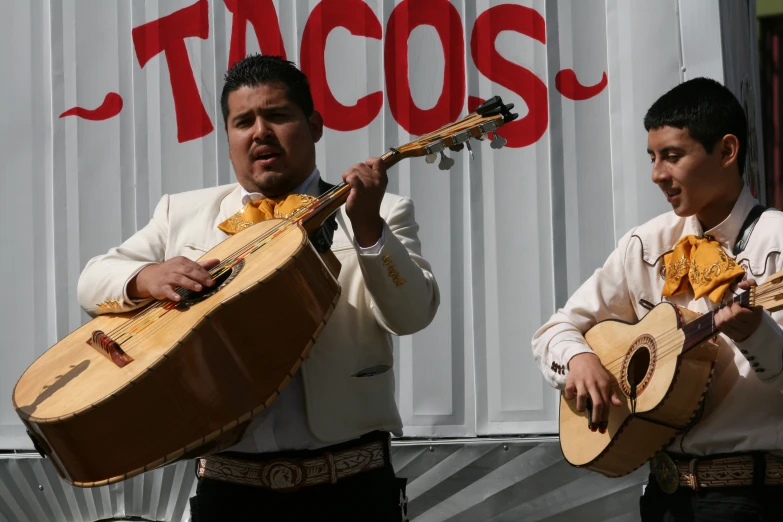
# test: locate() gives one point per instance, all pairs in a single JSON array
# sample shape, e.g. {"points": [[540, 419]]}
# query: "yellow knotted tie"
{"points": [[702, 263], [263, 209]]}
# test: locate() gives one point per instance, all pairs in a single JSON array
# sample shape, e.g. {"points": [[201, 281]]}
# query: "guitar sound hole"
{"points": [[638, 367], [189, 298]]}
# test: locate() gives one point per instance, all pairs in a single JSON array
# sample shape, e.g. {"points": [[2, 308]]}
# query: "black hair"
{"points": [[256, 69], [707, 109]]}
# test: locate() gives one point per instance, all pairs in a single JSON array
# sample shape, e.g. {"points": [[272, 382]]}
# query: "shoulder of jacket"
{"points": [[659, 235], [772, 215], [766, 239], [204, 194]]}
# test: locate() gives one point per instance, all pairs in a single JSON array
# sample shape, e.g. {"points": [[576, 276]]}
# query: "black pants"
{"points": [[370, 496], [734, 504], [374, 495]]}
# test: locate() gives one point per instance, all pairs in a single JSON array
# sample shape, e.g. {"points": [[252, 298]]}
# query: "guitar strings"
{"points": [[301, 216], [166, 319], [250, 249], [764, 294], [142, 320]]}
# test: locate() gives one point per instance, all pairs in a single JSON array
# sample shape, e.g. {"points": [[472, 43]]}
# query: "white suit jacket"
{"points": [[392, 292]]}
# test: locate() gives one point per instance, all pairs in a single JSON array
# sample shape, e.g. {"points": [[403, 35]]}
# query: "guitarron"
{"points": [[660, 369], [126, 393]]}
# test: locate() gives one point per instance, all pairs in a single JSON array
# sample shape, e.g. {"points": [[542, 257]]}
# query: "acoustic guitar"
{"points": [[126, 393], [660, 369]]}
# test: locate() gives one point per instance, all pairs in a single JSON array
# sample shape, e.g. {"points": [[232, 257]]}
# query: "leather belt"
{"points": [[291, 474], [672, 472]]}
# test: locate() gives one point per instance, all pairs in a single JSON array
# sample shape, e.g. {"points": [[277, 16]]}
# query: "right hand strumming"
{"points": [[160, 280], [588, 380]]}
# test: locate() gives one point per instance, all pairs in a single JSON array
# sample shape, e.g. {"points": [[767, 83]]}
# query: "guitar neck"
{"points": [[329, 202], [483, 123], [768, 296], [703, 327]]}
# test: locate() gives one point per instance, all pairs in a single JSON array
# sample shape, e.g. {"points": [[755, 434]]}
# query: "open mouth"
{"points": [[266, 154], [671, 194]]}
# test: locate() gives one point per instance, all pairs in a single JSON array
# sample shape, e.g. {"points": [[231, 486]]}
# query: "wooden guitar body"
{"points": [[197, 376], [670, 388]]}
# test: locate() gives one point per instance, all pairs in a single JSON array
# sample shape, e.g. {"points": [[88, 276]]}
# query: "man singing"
{"points": [[342, 400]]}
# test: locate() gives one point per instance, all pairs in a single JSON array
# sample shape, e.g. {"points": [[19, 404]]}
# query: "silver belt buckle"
{"points": [[665, 472], [283, 475]]}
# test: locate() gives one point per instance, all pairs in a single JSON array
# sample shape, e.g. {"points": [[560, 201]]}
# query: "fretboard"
{"points": [[701, 329]]}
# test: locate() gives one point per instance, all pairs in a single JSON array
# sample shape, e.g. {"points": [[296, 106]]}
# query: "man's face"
{"points": [[271, 142], [694, 182]]}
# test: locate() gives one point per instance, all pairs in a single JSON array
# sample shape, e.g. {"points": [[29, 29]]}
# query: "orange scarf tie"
{"points": [[263, 209], [704, 264]]}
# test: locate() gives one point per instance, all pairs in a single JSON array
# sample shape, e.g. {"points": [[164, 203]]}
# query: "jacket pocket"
{"points": [[193, 251], [372, 371]]}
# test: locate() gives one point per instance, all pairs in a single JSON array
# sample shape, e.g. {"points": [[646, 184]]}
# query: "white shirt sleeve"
{"points": [[605, 295]]}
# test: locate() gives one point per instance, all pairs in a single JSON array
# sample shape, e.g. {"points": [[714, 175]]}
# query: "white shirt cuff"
{"points": [[375, 249]]}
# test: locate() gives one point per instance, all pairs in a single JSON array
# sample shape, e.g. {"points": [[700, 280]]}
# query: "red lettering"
{"points": [[359, 19], [569, 86], [111, 107], [446, 20], [263, 16], [518, 79], [168, 35]]}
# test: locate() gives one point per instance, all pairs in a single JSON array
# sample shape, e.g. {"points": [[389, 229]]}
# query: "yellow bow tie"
{"points": [[263, 209], [703, 263]]}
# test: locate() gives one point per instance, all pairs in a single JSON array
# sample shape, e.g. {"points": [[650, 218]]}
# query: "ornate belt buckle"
{"points": [[665, 471], [283, 475]]}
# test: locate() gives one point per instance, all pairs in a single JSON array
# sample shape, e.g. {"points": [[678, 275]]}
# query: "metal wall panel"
{"points": [[498, 480], [513, 247], [31, 491], [510, 233], [30, 309], [741, 75]]}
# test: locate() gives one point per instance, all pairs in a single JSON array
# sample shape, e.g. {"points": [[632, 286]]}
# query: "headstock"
{"points": [[483, 123], [769, 295]]}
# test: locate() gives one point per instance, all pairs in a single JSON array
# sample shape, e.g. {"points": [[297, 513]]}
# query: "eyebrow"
{"points": [[239, 116], [667, 150], [271, 108]]}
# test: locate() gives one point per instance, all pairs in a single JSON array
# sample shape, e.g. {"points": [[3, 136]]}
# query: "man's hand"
{"points": [[737, 322], [588, 379], [368, 184], [159, 281]]}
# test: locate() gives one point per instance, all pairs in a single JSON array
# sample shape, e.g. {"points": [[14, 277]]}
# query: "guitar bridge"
{"points": [[109, 348]]}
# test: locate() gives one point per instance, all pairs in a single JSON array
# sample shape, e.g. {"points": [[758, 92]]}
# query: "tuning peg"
{"points": [[498, 141], [445, 162], [470, 149], [430, 158]]}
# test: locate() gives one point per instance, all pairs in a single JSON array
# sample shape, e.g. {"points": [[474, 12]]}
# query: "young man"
{"points": [[340, 407], [697, 139]]}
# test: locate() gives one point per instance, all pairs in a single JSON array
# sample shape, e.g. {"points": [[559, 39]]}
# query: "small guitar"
{"points": [[126, 393], [660, 369]]}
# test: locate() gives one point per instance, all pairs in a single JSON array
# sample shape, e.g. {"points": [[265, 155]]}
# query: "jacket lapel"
{"points": [[230, 205]]}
